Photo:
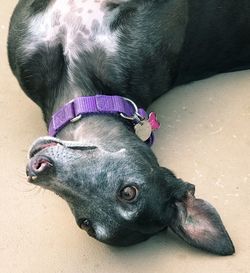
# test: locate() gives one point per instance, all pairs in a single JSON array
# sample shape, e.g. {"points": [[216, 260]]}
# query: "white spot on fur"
{"points": [[101, 232], [126, 214], [78, 25], [121, 151]]}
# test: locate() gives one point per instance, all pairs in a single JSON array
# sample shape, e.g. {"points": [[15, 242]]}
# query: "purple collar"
{"points": [[74, 110]]}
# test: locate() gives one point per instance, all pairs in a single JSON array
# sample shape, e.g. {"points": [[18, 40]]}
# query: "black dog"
{"points": [[133, 51]]}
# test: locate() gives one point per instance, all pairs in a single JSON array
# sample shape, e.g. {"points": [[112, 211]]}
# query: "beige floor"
{"points": [[205, 139]]}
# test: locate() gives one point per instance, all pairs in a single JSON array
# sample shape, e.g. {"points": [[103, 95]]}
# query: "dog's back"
{"points": [[216, 40]]}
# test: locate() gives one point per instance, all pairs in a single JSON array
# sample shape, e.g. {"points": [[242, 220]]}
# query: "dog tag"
{"points": [[155, 124], [143, 130]]}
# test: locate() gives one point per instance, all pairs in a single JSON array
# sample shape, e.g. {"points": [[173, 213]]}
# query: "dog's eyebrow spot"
{"points": [[127, 214], [120, 152]]}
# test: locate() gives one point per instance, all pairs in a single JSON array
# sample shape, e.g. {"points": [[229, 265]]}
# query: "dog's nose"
{"points": [[37, 166]]}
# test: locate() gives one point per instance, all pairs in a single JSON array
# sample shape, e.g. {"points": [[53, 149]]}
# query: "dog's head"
{"points": [[122, 197]]}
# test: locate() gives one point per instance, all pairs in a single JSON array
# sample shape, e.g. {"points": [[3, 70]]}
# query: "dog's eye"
{"points": [[129, 193]]}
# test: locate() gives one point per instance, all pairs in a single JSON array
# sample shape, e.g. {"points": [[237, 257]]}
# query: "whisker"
{"points": [[21, 184]]}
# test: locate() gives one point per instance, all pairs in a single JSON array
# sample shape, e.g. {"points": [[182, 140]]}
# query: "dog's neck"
{"points": [[96, 127], [99, 130]]}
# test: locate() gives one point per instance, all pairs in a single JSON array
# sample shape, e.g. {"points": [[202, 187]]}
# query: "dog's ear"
{"points": [[197, 222]]}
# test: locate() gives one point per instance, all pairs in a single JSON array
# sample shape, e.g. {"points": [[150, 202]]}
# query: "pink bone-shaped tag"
{"points": [[155, 124]]}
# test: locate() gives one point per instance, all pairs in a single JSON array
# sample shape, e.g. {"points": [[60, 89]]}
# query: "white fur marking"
{"points": [[78, 25], [127, 215], [101, 232]]}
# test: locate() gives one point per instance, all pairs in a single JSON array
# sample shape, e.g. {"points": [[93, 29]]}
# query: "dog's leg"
{"points": [[39, 67]]}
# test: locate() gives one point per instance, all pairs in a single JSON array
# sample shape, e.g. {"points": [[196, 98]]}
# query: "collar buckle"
{"points": [[136, 117]]}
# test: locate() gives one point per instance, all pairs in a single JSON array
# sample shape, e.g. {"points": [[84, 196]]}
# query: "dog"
{"points": [[93, 67]]}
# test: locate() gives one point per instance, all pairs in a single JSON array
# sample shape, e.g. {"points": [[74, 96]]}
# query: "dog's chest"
{"points": [[77, 25]]}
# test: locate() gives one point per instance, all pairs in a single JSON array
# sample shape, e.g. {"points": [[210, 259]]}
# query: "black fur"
{"points": [[162, 43]]}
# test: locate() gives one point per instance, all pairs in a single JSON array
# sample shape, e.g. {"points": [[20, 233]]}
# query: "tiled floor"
{"points": [[205, 139]]}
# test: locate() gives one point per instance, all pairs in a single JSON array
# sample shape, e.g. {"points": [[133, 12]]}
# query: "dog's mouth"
{"points": [[42, 144], [41, 147]]}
